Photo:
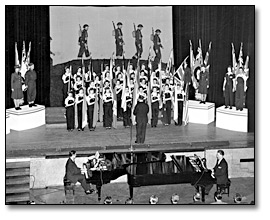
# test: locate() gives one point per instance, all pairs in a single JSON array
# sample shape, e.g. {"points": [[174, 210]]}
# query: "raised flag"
{"points": [[114, 96], [28, 54], [240, 58], [149, 101], [135, 92], [170, 63], [84, 107], [185, 108], [17, 62], [175, 106], [234, 67], [207, 54], [123, 98], [24, 67], [95, 114]]}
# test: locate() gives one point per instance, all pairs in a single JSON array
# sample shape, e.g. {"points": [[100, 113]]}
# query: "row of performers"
{"points": [[104, 99]]}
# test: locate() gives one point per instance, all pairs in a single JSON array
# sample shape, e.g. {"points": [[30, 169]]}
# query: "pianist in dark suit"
{"points": [[74, 173], [220, 171], [140, 111]]}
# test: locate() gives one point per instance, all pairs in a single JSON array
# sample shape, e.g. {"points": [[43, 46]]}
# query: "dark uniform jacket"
{"points": [[84, 36], [157, 42], [221, 172], [73, 173], [140, 111], [30, 78], [119, 36], [138, 36]]}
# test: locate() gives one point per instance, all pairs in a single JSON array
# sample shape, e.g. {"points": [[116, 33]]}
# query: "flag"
{"points": [[95, 114], [185, 108], [175, 109], [149, 101], [170, 63], [240, 58], [207, 54], [160, 84], [246, 69], [149, 59], [114, 96], [123, 98], [101, 91], [199, 59], [135, 92], [234, 67], [84, 107], [179, 73], [17, 62], [28, 54], [24, 67]]}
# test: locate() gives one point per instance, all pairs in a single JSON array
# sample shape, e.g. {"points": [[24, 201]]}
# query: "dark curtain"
{"points": [[222, 25], [28, 23]]}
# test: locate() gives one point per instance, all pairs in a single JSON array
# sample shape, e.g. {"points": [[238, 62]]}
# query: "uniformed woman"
{"points": [[79, 103], [108, 111], [70, 117], [155, 106], [167, 103], [16, 87], [90, 99]]}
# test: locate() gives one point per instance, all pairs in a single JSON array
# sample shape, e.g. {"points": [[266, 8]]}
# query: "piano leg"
{"points": [[203, 193], [99, 192], [131, 191]]}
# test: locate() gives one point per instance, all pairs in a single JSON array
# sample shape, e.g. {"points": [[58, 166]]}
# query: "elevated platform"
{"points": [[231, 119], [201, 113], [27, 118]]}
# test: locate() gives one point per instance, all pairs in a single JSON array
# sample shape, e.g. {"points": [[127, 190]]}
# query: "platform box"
{"points": [[201, 113]]}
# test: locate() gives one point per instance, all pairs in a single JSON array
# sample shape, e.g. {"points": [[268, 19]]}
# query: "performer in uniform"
{"points": [[83, 42], [157, 46], [108, 111], [140, 111], [167, 103], [127, 113], [79, 103], [203, 84], [241, 87], [66, 78], [90, 99], [16, 87], [119, 41], [138, 42], [30, 82], [228, 87], [118, 90], [78, 84], [155, 106], [180, 94], [70, 116]]}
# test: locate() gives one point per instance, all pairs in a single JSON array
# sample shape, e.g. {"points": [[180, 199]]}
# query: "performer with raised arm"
{"points": [[167, 104], [155, 97], [119, 41], [83, 42], [90, 100], [108, 104], [240, 88], [138, 42], [16, 87], [228, 88], [157, 46], [203, 83], [79, 103], [70, 115]]}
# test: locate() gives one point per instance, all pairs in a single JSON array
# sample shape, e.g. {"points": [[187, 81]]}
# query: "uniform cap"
{"points": [[157, 30], [86, 25], [140, 25], [119, 23]]}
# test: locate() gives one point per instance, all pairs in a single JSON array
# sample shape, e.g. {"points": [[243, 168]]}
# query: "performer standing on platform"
{"points": [[157, 46], [228, 87], [140, 111], [16, 87], [167, 103], [75, 174], [138, 42], [203, 83], [83, 42], [90, 99], [241, 87], [70, 116], [119, 41], [79, 103], [30, 83], [155, 97], [108, 111]]}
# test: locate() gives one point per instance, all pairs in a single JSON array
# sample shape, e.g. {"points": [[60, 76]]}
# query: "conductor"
{"points": [[140, 111]]}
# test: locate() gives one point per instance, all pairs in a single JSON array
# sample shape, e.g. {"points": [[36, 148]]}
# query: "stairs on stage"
{"points": [[17, 182]]}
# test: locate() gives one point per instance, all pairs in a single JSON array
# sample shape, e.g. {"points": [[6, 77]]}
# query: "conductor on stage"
{"points": [[30, 83], [83, 42], [119, 40], [140, 111]]}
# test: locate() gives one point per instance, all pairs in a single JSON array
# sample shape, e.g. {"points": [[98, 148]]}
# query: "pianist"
{"points": [[74, 174]]}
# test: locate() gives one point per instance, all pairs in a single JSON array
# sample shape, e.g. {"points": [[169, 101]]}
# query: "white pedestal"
{"points": [[231, 119], [7, 123], [201, 113], [26, 118]]}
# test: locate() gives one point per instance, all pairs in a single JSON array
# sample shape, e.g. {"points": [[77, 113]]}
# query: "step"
{"points": [[18, 180], [12, 189], [11, 165], [22, 197], [18, 172]]}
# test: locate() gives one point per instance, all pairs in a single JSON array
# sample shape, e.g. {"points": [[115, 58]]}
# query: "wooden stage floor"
{"points": [[55, 139]]}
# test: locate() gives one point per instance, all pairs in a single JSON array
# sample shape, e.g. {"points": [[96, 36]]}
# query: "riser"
{"points": [[18, 180], [15, 165], [16, 172], [14, 189], [22, 197]]}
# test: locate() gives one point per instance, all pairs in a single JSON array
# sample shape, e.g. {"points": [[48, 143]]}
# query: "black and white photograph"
{"points": [[130, 105]]}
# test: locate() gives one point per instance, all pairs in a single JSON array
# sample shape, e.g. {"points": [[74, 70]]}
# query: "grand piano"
{"points": [[153, 168]]}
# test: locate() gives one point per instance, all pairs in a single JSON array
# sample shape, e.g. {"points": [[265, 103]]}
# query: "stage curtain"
{"points": [[28, 23], [222, 25]]}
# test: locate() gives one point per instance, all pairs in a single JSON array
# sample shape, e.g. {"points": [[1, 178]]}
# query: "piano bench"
{"points": [[224, 188], [68, 185]]}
